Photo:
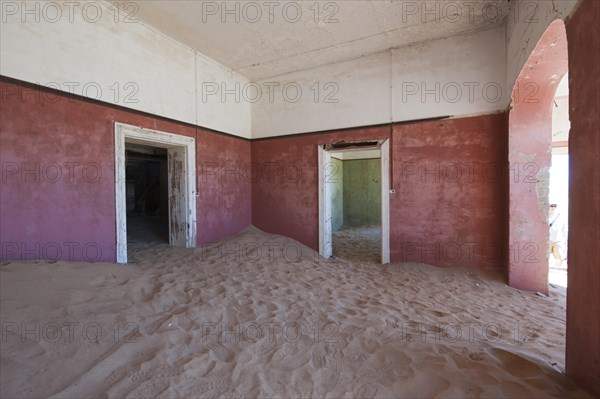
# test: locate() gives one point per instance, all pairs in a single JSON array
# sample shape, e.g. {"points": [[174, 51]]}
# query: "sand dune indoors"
{"points": [[259, 316]]}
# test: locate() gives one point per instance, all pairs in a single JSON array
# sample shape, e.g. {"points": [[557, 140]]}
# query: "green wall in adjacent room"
{"points": [[337, 194], [356, 192], [362, 192]]}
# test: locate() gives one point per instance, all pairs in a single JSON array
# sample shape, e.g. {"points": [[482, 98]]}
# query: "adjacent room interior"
{"points": [[146, 197], [355, 176], [356, 204]]}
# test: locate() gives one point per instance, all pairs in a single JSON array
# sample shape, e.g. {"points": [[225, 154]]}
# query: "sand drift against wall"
{"points": [[239, 320]]}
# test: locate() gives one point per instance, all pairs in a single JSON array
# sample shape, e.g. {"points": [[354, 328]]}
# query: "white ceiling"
{"points": [[265, 44]]}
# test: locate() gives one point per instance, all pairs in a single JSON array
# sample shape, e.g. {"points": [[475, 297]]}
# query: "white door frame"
{"points": [[172, 142], [325, 234]]}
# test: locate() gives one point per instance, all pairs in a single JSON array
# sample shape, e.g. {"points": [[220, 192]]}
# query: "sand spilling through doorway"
{"points": [[361, 244]]}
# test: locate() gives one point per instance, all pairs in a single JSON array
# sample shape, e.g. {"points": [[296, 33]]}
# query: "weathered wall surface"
{"points": [[529, 157], [583, 298], [430, 79], [97, 51], [526, 23], [450, 203], [57, 197], [362, 192], [223, 185]]}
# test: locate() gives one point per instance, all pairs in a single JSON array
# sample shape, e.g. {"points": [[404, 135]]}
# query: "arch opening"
{"points": [[530, 156]]}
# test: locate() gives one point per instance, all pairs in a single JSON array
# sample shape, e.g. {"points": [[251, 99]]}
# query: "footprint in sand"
{"points": [[366, 390], [304, 388], [437, 313], [137, 377], [370, 346], [208, 369], [102, 395], [392, 323], [150, 389], [350, 312], [210, 389], [154, 325], [387, 377], [290, 357], [334, 366], [115, 376], [219, 352], [266, 347], [475, 391], [318, 357], [168, 371]]}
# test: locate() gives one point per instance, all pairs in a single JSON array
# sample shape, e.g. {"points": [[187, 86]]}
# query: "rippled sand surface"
{"points": [[260, 315]]}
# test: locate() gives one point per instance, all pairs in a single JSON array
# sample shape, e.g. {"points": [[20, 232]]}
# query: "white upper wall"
{"points": [[460, 75], [346, 94], [94, 49], [457, 76], [218, 98], [527, 21]]}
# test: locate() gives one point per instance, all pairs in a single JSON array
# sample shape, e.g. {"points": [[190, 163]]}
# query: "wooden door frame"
{"points": [[325, 239], [133, 134]]}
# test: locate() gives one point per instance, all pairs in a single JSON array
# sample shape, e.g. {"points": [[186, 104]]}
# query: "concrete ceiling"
{"points": [[262, 39]]}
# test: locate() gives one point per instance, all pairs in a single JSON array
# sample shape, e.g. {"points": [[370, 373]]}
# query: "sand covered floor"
{"points": [[361, 244], [259, 315]]}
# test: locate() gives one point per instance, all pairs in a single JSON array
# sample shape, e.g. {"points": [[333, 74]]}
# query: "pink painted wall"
{"points": [[583, 295], [57, 182], [224, 190], [434, 217], [450, 203], [529, 157]]}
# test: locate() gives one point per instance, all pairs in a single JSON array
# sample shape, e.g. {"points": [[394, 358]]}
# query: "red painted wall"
{"points": [[224, 190], [435, 217], [450, 203], [529, 157], [583, 295], [57, 178]]}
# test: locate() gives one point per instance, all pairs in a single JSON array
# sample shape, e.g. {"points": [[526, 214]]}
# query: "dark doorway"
{"points": [[146, 197]]}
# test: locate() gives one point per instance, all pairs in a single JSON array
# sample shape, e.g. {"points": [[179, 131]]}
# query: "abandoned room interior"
{"points": [[342, 199]]}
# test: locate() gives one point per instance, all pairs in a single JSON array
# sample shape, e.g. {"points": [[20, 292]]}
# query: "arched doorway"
{"points": [[529, 156]]}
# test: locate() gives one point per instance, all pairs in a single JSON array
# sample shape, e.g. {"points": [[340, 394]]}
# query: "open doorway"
{"points": [[558, 217], [146, 179], [356, 205], [354, 201], [536, 140], [154, 176]]}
